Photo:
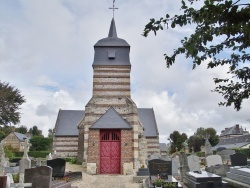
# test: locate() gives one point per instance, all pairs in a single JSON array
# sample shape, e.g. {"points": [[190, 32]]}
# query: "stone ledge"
{"points": [[236, 183]]}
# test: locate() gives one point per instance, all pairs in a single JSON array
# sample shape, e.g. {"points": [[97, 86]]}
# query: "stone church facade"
{"points": [[111, 132]]}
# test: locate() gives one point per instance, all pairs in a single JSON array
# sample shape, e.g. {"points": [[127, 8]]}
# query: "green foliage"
{"points": [[220, 26], [22, 129], [158, 182], [198, 139], [9, 151], [35, 131], [15, 178], [71, 160], [196, 142], [10, 100], [50, 133], [177, 141], [40, 143], [5, 131], [34, 154], [245, 151], [200, 154]]}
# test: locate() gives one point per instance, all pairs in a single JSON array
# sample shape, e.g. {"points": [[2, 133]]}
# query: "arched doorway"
{"points": [[110, 151]]}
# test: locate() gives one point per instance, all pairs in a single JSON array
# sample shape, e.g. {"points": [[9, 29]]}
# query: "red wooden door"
{"points": [[110, 154]]}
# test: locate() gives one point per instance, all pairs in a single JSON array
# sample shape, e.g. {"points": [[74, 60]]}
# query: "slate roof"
{"points": [[234, 130], [112, 50], [112, 39], [234, 142], [111, 119], [67, 121], [147, 118], [21, 137]]}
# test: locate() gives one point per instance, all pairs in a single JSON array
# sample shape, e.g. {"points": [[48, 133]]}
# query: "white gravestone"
{"points": [[213, 160], [193, 163]]}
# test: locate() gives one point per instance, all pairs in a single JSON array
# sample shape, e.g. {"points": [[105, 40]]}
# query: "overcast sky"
{"points": [[46, 51]]}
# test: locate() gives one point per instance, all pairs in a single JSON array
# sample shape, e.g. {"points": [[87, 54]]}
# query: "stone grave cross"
{"points": [[208, 147], [192, 148], [26, 145], [2, 158]]}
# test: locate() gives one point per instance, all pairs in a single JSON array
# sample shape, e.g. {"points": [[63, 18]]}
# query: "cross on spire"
{"points": [[113, 8]]}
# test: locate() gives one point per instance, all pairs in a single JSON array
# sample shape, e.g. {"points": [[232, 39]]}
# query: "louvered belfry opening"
{"points": [[110, 151]]}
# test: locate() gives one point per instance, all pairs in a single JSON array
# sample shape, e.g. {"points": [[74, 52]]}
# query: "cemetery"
{"points": [[226, 169], [46, 173]]}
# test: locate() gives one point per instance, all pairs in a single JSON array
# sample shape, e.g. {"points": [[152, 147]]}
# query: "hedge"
{"points": [[35, 154]]}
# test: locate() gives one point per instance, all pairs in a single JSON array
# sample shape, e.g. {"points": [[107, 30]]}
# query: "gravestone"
{"points": [[194, 163], [204, 180], [201, 179], [39, 162], [3, 181], [25, 162], [40, 177], [208, 147], [183, 165], [215, 165], [9, 180], [175, 166], [58, 166], [160, 167], [213, 160], [238, 159], [225, 155]]}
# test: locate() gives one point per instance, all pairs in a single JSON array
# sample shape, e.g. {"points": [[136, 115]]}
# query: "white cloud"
{"points": [[46, 51]]}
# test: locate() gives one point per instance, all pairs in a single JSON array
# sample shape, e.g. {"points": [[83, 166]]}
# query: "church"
{"points": [[111, 133]]}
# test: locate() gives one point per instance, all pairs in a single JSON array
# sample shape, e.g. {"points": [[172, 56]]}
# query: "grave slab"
{"points": [[40, 177], [238, 159], [3, 181], [58, 165]]}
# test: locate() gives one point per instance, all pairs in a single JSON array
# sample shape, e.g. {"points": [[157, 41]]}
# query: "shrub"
{"points": [[245, 151]]}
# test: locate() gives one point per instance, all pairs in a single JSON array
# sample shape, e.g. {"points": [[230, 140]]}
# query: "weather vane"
{"points": [[113, 8]]}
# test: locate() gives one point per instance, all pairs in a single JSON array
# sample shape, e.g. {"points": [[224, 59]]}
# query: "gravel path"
{"points": [[102, 181]]}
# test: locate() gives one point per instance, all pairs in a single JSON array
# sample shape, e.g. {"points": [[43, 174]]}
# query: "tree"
{"points": [[5, 131], [177, 141], [35, 131], [50, 133], [227, 20], [10, 100], [196, 142], [22, 129], [198, 139], [40, 143]]}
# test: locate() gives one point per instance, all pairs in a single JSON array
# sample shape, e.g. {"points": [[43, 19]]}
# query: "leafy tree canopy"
{"points": [[198, 139], [35, 131], [39, 143], [10, 100], [177, 141], [22, 129], [221, 26], [5, 131]]}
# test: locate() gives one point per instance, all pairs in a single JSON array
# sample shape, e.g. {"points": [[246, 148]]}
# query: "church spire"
{"points": [[112, 30]]}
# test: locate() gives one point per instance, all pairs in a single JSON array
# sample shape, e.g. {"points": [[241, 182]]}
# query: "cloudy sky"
{"points": [[46, 51]]}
